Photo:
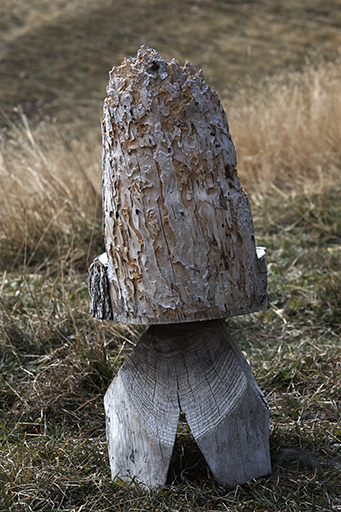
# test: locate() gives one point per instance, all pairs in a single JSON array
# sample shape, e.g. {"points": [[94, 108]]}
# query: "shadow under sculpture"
{"points": [[180, 254]]}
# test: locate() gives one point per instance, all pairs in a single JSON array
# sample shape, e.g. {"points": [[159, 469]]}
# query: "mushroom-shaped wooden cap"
{"points": [[178, 227]]}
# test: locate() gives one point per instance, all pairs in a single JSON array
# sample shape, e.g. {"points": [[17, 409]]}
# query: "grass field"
{"points": [[57, 361]]}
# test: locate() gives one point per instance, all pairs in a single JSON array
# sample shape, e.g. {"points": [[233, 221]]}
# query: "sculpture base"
{"points": [[196, 368]]}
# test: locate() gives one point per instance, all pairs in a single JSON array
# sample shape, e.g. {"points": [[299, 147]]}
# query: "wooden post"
{"points": [[180, 250]]}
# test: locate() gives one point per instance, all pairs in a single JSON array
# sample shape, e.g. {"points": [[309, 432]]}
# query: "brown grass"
{"points": [[51, 201], [19, 17], [55, 56], [288, 133]]}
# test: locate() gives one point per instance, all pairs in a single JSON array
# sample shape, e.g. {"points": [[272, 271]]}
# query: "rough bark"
{"points": [[196, 368], [100, 303], [178, 226], [99, 290]]}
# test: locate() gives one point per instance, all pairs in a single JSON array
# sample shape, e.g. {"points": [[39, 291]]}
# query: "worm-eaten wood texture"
{"points": [[178, 226]]}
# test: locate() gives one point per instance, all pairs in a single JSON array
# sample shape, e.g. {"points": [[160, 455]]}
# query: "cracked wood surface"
{"points": [[178, 226], [196, 368]]}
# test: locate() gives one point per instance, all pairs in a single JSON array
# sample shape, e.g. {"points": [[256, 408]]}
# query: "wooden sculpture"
{"points": [[180, 250]]}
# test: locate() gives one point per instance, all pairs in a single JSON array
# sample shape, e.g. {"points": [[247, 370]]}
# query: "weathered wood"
{"points": [[178, 226], [100, 303], [236, 447], [196, 368], [135, 450], [180, 247], [99, 291]]}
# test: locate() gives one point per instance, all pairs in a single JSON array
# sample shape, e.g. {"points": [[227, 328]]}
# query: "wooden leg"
{"points": [[196, 368], [142, 414], [137, 448]]}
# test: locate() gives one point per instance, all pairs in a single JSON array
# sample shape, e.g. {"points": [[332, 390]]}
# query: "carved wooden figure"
{"points": [[180, 253]]}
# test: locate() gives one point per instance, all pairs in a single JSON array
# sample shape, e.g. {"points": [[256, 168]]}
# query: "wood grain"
{"points": [[134, 452], [196, 368]]}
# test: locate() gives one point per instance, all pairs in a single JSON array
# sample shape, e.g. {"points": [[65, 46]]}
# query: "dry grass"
{"points": [[56, 361], [287, 136], [51, 201], [288, 133], [19, 17]]}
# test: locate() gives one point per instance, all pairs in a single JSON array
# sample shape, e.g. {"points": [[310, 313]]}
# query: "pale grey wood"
{"points": [[196, 368], [237, 449], [142, 413], [178, 227], [134, 450], [236, 446]]}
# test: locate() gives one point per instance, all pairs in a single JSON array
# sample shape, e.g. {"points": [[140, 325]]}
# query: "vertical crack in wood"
{"points": [[198, 369]]}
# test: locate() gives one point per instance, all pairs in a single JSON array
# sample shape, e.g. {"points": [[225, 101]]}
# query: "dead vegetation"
{"points": [[288, 133], [55, 56], [56, 361]]}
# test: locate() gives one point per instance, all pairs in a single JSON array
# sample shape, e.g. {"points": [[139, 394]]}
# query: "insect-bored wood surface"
{"points": [[178, 226]]}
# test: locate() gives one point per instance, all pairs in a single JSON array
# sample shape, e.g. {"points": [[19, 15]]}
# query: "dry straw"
{"points": [[51, 195], [288, 132]]}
